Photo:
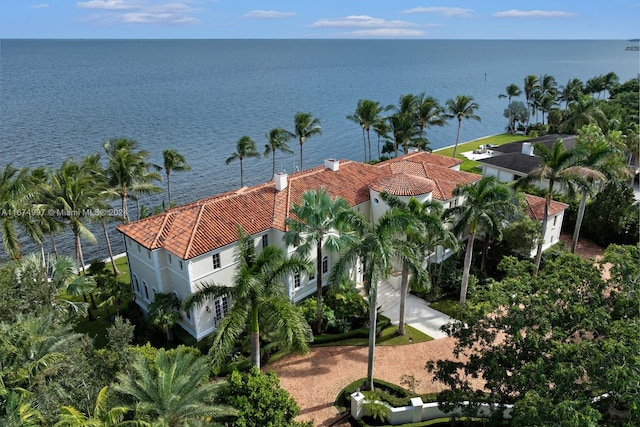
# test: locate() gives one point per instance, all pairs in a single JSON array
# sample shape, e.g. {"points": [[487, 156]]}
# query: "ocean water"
{"points": [[61, 98]]}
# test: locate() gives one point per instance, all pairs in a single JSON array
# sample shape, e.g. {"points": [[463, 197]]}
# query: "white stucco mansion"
{"points": [[175, 251]]}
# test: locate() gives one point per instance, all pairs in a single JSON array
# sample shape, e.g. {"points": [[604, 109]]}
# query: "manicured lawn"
{"points": [[123, 269], [471, 165], [447, 306]]}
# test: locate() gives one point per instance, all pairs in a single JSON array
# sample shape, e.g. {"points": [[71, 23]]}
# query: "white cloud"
{"points": [[106, 4], [360, 21], [457, 12], [383, 32], [514, 13], [267, 14], [39, 6], [147, 12]]}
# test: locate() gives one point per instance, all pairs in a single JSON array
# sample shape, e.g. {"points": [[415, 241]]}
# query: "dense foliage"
{"points": [[561, 345]]}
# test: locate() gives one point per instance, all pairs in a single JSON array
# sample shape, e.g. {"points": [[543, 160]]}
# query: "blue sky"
{"points": [[444, 19]]}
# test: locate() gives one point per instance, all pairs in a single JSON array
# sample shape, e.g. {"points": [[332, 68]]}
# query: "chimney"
{"points": [[332, 164], [281, 181], [527, 149]]}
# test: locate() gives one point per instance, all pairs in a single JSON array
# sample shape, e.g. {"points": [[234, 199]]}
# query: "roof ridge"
{"points": [[194, 230], [161, 232]]}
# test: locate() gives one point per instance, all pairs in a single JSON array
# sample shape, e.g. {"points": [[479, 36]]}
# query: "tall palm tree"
{"points": [[531, 85], [366, 114], [571, 91], [609, 81], [102, 416], [75, 191], [488, 205], [313, 223], [404, 130], [16, 193], [382, 129], [278, 139], [257, 296], [127, 171], [583, 111], [375, 247], [173, 161], [511, 91], [557, 165], [429, 113], [245, 148], [172, 390], [599, 158], [426, 227], [463, 107], [305, 126]]}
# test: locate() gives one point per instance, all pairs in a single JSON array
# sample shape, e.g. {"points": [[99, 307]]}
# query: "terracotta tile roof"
{"points": [[535, 207], [400, 184], [197, 228]]}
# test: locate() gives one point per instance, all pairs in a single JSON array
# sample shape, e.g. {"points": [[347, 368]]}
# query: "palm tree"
{"points": [[367, 113], [172, 390], [557, 165], [19, 411], [172, 161], [127, 171], [375, 247], [599, 158], [571, 91], [76, 190], [382, 129], [257, 296], [313, 223], [428, 113], [404, 130], [164, 312], [463, 107], [102, 415], [488, 204], [15, 198], [511, 91], [531, 85], [426, 227], [245, 148], [305, 126], [278, 139], [583, 111], [609, 80]]}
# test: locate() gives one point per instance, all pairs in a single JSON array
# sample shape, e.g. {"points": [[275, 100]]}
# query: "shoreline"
{"points": [[466, 142]]}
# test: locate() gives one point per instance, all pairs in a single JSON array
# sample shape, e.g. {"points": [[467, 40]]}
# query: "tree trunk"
{"points": [[301, 142], [545, 220], [241, 175], [123, 200], [373, 317], [378, 146], [318, 325], [404, 290], [576, 231], [364, 146], [455, 149], [485, 250], [106, 237], [255, 336], [466, 269], [53, 245], [369, 141], [168, 188], [273, 168]]}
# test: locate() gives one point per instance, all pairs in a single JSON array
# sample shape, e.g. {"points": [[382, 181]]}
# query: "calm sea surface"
{"points": [[65, 97]]}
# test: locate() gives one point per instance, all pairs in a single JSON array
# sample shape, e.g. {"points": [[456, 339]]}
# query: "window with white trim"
{"points": [[146, 290], [296, 281], [136, 283], [221, 307], [325, 265], [170, 259], [312, 275], [216, 261], [265, 240]]}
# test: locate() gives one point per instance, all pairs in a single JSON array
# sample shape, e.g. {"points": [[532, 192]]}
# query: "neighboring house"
{"points": [[177, 250], [535, 210], [515, 160]]}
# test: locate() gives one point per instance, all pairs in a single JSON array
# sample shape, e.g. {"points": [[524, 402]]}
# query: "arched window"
{"points": [[325, 265], [146, 290], [136, 283]]}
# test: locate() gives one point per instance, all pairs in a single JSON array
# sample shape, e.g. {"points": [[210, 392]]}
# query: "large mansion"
{"points": [[177, 250]]}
